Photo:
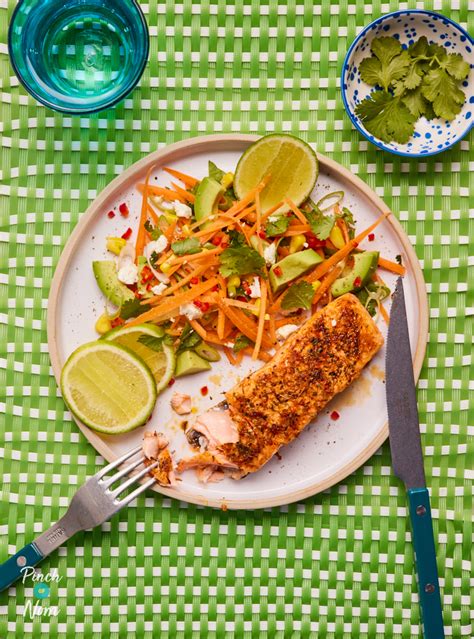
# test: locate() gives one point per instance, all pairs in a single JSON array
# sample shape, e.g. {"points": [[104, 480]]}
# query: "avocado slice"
{"points": [[207, 197], [364, 267], [189, 362], [105, 272], [291, 267]]}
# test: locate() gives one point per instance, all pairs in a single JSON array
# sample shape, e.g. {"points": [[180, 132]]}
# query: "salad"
{"points": [[214, 272]]}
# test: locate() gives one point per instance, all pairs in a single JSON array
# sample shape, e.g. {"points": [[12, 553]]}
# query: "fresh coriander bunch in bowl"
{"points": [[408, 83]]}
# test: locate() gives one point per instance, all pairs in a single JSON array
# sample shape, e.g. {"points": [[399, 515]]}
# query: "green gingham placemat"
{"points": [[338, 565]]}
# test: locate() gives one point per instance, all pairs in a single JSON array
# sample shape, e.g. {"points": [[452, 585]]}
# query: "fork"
{"points": [[95, 502]]}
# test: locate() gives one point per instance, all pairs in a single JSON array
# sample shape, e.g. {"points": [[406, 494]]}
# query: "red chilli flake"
{"points": [[171, 382], [127, 234], [334, 415], [371, 237], [357, 282], [123, 208], [216, 241], [262, 235], [204, 391], [194, 280], [110, 214], [205, 307], [215, 288], [198, 304], [278, 272]]}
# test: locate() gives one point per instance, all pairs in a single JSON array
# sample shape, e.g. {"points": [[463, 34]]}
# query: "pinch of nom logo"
{"points": [[41, 591]]}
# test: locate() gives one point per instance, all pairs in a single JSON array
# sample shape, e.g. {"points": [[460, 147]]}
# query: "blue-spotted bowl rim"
{"points": [[374, 141]]}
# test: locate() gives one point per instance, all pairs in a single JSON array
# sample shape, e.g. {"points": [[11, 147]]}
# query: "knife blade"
{"points": [[403, 424], [407, 461]]}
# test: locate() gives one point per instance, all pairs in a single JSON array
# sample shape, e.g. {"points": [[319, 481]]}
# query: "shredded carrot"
{"points": [[266, 215], [198, 328], [392, 266], [141, 235], [230, 355], [239, 357], [265, 357], [343, 226], [326, 283], [237, 303], [174, 303], [261, 318], [296, 211], [153, 215], [244, 324], [289, 320], [185, 179], [297, 230], [185, 194], [168, 233], [168, 194], [384, 313], [203, 255]]}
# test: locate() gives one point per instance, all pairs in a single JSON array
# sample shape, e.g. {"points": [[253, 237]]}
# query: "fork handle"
{"points": [[15, 567]]}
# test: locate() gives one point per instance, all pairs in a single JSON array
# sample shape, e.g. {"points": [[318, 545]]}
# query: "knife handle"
{"points": [[425, 557]]}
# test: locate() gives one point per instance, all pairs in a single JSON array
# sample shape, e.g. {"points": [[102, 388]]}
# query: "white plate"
{"points": [[327, 451]]}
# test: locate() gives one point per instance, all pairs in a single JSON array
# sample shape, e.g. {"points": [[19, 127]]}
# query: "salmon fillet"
{"points": [[270, 407]]}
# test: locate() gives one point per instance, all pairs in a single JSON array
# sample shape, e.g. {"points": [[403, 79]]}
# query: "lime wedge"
{"points": [[291, 163], [161, 362], [108, 387]]}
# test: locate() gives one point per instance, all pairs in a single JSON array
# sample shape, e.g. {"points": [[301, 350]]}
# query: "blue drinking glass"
{"points": [[78, 56]]}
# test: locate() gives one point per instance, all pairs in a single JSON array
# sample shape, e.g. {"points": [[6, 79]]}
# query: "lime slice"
{"points": [[108, 387], [160, 362], [291, 163]]}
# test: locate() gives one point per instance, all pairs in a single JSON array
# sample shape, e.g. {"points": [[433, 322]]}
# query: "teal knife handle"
{"points": [[425, 557], [11, 570]]}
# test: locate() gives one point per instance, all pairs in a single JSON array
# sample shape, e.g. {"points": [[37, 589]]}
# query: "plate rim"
{"points": [[193, 143]]}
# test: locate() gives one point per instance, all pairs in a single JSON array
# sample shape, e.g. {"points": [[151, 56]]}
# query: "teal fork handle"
{"points": [[11, 570], [425, 557]]}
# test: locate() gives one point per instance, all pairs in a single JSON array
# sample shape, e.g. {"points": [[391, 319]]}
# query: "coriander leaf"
{"points": [[436, 51], [385, 48], [456, 66], [189, 339], [277, 225], [133, 308], [386, 117], [442, 90], [420, 48], [413, 76], [154, 257], [240, 343], [299, 295], [153, 231], [418, 104], [155, 343], [186, 247], [236, 238], [215, 172], [321, 225], [240, 260], [390, 63]]}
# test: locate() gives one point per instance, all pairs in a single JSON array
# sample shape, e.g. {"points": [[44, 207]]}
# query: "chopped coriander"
{"points": [[299, 295], [153, 231], [133, 308], [240, 343], [321, 225], [277, 226], [241, 260]]}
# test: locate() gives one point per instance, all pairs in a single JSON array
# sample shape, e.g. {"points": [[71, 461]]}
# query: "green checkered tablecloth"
{"points": [[338, 565]]}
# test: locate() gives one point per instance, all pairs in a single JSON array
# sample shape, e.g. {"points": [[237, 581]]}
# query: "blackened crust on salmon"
{"points": [[273, 405]]}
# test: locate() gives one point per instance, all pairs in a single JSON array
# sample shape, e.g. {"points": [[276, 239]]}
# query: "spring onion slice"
{"points": [[330, 200]]}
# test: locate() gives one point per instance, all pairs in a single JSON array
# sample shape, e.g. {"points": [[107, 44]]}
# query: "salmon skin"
{"points": [[270, 407]]}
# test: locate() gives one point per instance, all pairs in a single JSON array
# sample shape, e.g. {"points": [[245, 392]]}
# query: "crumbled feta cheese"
{"points": [[273, 218], [159, 289], [229, 344], [269, 254], [333, 322], [155, 246], [305, 245], [190, 311], [182, 210], [254, 289], [284, 331], [167, 206], [128, 273]]}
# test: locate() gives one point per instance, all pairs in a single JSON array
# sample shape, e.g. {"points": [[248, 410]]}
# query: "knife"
{"points": [[407, 461]]}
